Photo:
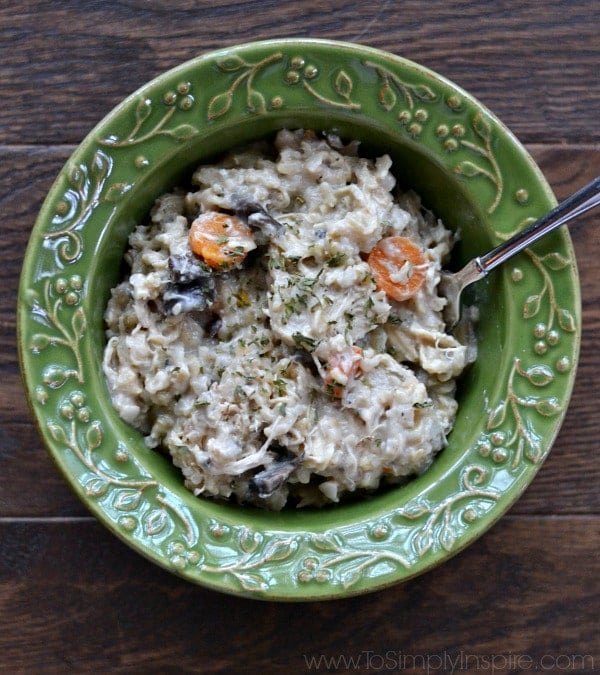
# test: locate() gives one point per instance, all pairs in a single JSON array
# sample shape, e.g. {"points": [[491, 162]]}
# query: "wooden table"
{"points": [[75, 599]]}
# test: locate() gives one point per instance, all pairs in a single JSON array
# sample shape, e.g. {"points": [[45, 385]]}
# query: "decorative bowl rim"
{"points": [[358, 547]]}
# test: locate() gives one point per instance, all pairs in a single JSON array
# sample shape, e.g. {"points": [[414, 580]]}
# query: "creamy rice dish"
{"points": [[280, 333]]}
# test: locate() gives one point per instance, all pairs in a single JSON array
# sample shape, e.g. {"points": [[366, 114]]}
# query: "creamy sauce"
{"points": [[291, 377]]}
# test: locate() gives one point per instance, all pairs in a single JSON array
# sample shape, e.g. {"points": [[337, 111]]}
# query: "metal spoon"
{"points": [[452, 284]]}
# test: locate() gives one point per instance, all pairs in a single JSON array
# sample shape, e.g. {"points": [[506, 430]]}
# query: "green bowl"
{"points": [[467, 167]]}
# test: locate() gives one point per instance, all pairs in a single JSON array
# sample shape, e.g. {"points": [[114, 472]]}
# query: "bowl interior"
{"points": [[413, 167]]}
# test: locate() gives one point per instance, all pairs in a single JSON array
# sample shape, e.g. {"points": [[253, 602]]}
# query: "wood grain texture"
{"points": [[100, 608], [75, 599], [70, 62]]}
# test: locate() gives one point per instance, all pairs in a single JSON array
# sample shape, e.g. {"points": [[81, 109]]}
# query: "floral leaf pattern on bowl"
{"points": [[114, 478], [545, 264], [482, 148], [64, 323], [343, 86], [392, 85], [551, 261], [245, 74], [485, 165], [507, 425], [324, 559], [333, 559], [258, 552], [85, 184], [151, 120], [344, 563], [511, 421], [442, 519]]}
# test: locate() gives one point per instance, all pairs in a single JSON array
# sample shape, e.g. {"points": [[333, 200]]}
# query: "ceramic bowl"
{"points": [[468, 168]]}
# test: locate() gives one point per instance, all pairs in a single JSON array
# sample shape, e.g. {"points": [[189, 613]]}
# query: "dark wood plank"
{"points": [[75, 599], [72, 598], [68, 63]]}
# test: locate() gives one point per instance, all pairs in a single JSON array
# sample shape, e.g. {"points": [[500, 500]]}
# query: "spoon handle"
{"points": [[581, 201]]}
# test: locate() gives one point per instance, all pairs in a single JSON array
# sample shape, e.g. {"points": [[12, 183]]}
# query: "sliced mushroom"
{"points": [[269, 480], [194, 296], [259, 219]]}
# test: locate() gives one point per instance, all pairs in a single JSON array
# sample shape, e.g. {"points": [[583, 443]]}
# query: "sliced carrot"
{"points": [[398, 266], [222, 240], [341, 368]]}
